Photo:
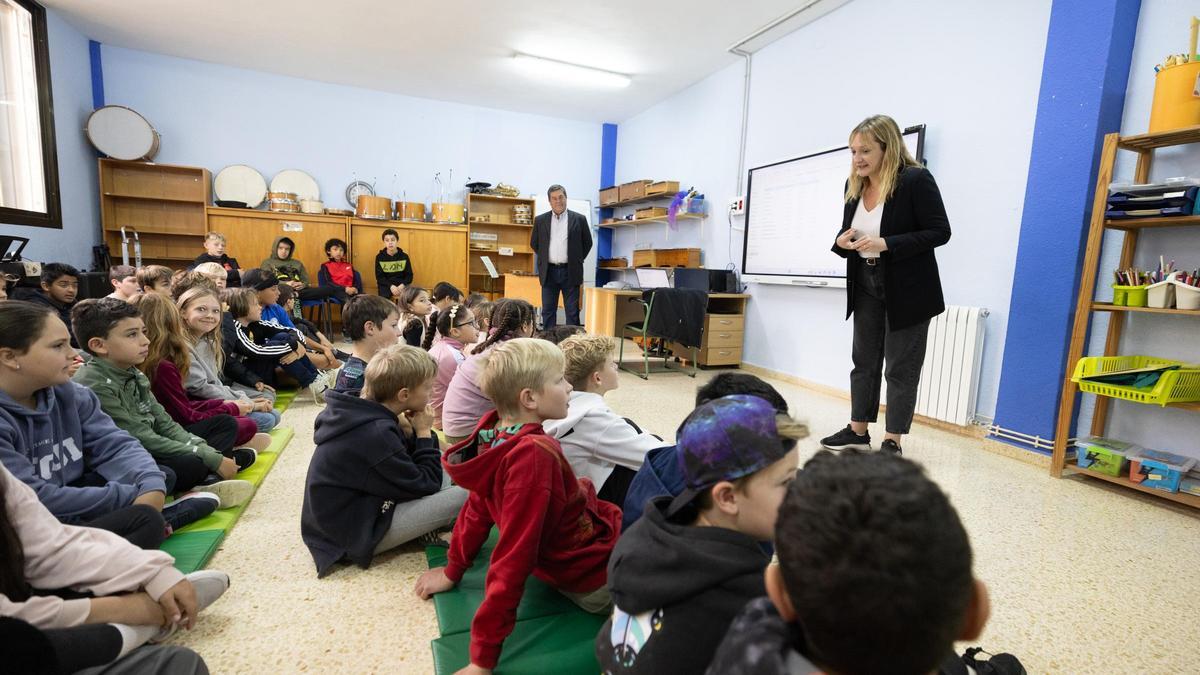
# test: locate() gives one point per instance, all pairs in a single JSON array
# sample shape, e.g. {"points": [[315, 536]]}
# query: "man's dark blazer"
{"points": [[914, 222], [579, 244]]}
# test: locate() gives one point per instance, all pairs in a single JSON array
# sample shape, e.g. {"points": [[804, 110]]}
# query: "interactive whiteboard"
{"points": [[793, 211]]}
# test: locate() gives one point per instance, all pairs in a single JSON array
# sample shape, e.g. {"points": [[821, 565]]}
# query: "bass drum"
{"points": [[240, 183], [122, 133]]}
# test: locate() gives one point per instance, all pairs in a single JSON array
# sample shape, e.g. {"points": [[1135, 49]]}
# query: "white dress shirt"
{"points": [[558, 238], [867, 223]]}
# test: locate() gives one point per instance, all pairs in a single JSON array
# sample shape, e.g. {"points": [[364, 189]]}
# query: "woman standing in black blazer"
{"points": [[893, 220]]}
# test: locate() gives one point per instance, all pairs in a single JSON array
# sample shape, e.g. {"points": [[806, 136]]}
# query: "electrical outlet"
{"points": [[737, 206]]}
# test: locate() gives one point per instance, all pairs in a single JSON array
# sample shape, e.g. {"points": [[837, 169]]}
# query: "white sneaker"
{"points": [[230, 492], [318, 387], [208, 585]]}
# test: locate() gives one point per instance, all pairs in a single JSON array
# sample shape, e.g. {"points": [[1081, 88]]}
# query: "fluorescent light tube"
{"points": [[570, 73]]}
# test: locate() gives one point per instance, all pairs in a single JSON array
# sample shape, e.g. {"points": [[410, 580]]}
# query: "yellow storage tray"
{"points": [[1174, 386]]}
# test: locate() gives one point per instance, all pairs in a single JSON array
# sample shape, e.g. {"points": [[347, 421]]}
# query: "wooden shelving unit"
{"points": [[1144, 145], [165, 204], [661, 219], [508, 235]]}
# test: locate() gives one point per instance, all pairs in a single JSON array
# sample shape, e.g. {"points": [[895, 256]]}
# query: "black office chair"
{"points": [[674, 314]]}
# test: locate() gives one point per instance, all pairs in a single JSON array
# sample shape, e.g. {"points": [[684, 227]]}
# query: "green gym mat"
{"points": [[551, 633], [284, 398], [193, 550], [563, 644]]}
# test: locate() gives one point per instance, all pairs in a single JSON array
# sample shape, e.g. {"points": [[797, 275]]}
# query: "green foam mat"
{"points": [[225, 518], [563, 644], [192, 550], [284, 398], [456, 608]]}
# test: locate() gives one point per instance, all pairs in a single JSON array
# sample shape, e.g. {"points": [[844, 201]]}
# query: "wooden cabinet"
{"points": [[490, 229], [164, 204], [438, 252], [249, 235]]}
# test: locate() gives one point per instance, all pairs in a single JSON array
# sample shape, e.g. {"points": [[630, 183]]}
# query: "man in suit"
{"points": [[561, 239]]}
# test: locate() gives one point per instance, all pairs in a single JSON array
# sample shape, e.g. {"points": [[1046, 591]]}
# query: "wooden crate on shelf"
{"points": [[503, 241], [666, 188], [610, 195], [635, 189], [667, 257], [165, 204], [650, 212], [614, 263]]}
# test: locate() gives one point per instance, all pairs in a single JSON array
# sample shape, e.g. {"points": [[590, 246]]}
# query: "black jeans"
{"points": [[556, 282], [142, 525], [219, 431], [322, 292], [616, 486], [903, 351], [189, 471]]}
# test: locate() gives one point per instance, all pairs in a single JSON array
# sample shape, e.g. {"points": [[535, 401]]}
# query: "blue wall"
{"points": [[1082, 97]]}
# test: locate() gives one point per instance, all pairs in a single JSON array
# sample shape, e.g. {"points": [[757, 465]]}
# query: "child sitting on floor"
{"points": [[155, 279], [415, 308], [874, 571], [375, 480], [95, 597], [267, 346], [59, 287], [599, 444], [55, 438], [320, 350], [457, 327], [337, 272], [123, 279], [551, 524], [371, 322], [200, 310], [113, 333], [168, 357], [660, 474], [685, 569], [444, 294], [214, 273]]}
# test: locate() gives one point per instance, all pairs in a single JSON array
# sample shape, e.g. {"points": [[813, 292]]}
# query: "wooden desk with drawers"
{"points": [[606, 310]]}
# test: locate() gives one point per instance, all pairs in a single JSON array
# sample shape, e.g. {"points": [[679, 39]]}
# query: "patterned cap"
{"points": [[726, 439]]}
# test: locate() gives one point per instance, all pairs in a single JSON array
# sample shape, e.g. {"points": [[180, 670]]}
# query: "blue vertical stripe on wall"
{"points": [[1086, 68], [97, 75], [608, 177]]}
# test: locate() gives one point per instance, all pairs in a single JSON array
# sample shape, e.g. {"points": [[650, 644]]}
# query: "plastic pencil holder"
{"points": [[1129, 296], [1186, 297], [1161, 295]]}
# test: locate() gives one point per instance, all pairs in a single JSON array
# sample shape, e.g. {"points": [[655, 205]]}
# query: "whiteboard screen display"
{"points": [[793, 212]]}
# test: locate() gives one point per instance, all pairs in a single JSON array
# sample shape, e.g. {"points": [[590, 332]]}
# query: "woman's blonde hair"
{"points": [[213, 337], [884, 131], [165, 330], [515, 365]]}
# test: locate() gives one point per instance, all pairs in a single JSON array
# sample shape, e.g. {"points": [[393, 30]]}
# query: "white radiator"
{"points": [[953, 357]]}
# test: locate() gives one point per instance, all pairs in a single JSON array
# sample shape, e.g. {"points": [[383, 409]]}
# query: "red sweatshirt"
{"points": [[167, 386], [340, 273], [551, 525]]}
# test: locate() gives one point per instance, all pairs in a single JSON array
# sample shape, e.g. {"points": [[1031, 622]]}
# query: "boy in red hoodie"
{"points": [[551, 524], [337, 272]]}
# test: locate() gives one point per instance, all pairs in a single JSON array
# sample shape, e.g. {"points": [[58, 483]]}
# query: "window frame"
{"points": [[52, 218]]}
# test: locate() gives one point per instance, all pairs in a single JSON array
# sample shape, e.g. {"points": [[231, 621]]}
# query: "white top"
{"points": [[595, 439], [558, 238], [867, 222]]}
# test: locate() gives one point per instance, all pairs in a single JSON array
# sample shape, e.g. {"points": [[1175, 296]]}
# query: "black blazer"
{"points": [[914, 222], [579, 244]]}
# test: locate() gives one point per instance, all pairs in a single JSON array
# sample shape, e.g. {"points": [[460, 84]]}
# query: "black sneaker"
{"points": [[891, 447], [846, 438], [189, 508], [243, 457]]}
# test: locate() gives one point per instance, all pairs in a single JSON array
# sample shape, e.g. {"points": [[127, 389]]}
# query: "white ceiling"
{"points": [[453, 50]]}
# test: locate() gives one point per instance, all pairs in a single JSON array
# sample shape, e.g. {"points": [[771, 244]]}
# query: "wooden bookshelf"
{"points": [[1144, 145], [508, 234], [163, 203], [660, 219]]}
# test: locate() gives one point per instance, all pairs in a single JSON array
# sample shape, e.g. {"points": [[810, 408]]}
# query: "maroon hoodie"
{"points": [[551, 525]]}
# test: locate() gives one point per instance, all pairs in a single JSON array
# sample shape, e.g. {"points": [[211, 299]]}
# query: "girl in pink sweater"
{"points": [[135, 595], [458, 328]]}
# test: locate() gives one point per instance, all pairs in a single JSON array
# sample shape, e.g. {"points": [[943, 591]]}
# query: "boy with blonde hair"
{"points": [[375, 480], [214, 252], [599, 444], [551, 524]]}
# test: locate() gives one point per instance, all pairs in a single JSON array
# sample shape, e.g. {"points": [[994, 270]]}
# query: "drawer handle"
{"points": [[724, 353], [724, 335], [725, 322]]}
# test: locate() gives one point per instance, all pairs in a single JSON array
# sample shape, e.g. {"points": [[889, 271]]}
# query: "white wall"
{"points": [[71, 86], [809, 89], [213, 116], [1162, 30]]}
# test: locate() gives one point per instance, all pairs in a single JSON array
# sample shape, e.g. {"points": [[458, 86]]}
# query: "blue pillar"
{"points": [[1088, 50], [608, 177], [97, 75]]}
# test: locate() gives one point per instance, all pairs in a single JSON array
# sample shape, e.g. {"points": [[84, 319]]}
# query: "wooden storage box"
{"points": [[633, 190], [662, 187], [617, 263], [610, 195], [650, 212], [667, 257]]}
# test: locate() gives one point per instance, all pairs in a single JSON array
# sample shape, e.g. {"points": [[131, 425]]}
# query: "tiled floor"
{"points": [[1084, 579]]}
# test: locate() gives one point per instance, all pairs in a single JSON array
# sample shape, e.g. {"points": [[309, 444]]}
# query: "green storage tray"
{"points": [[193, 550], [1174, 386]]}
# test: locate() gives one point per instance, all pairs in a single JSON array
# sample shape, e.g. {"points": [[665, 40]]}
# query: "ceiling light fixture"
{"points": [[570, 73]]}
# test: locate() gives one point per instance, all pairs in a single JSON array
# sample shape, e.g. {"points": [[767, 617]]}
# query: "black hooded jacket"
{"points": [[676, 588], [362, 466]]}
